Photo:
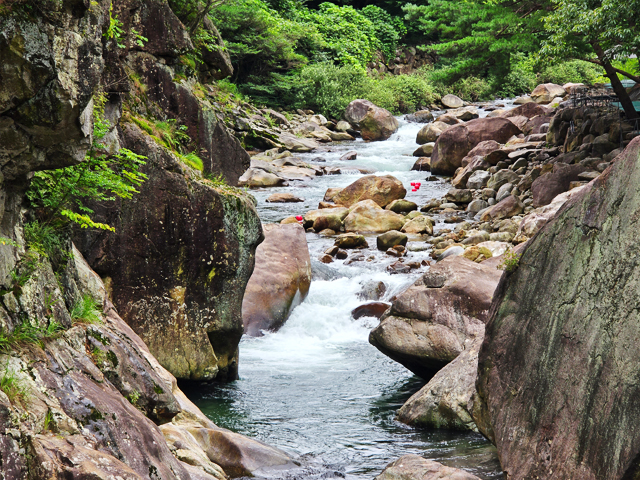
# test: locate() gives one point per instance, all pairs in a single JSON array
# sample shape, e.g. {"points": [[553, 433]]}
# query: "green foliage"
{"points": [[475, 37], [60, 194], [114, 30], [510, 262], [13, 386], [49, 422], [134, 398], [388, 30], [193, 160], [28, 334], [87, 310], [216, 180]]}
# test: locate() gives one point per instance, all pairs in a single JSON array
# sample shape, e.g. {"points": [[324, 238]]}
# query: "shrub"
{"points": [[510, 262]]}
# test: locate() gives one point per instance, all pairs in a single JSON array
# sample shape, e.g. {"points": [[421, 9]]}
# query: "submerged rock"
{"points": [[280, 280], [414, 467]]}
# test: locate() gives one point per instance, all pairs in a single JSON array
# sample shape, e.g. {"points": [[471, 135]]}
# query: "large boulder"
{"points": [[280, 279], [414, 467], [378, 124], [558, 367], [546, 187], [456, 142], [381, 189], [374, 123], [368, 217], [546, 92], [256, 177], [178, 263], [429, 324], [447, 400], [328, 215]]}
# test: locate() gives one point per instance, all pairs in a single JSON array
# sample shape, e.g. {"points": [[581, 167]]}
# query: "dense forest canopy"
{"points": [[318, 55]]}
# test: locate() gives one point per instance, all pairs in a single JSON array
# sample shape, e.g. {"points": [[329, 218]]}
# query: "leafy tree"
{"points": [[59, 195], [478, 37], [598, 31]]}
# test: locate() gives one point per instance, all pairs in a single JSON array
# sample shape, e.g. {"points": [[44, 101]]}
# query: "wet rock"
{"points": [[476, 238], [373, 309], [372, 290], [343, 126], [284, 198], [368, 216], [452, 101], [428, 324], [414, 467], [351, 240], [557, 341], [447, 400], [419, 224], [280, 280], [424, 150], [456, 142], [504, 191], [341, 254], [326, 258], [396, 268], [383, 190], [401, 206], [452, 251], [423, 164], [390, 239], [352, 155], [296, 144], [430, 132], [421, 116]]}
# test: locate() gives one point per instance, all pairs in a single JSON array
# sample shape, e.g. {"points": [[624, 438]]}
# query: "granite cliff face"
{"points": [[557, 368], [83, 397]]}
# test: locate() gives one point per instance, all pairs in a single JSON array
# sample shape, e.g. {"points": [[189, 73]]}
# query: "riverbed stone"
{"points": [[280, 280], [424, 150], [283, 198], [351, 240], [459, 195], [546, 92], [546, 187], [367, 216], [452, 101], [381, 189], [421, 116], [391, 239], [556, 369], [402, 206], [311, 216], [447, 400], [507, 208], [478, 180], [419, 225], [502, 177]]}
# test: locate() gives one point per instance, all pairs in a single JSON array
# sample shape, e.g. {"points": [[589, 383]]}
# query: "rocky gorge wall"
{"points": [[81, 395]]}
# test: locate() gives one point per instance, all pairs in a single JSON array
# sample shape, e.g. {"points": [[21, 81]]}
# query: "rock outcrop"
{"points": [[557, 367], [280, 280], [456, 142], [430, 323], [178, 263]]}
